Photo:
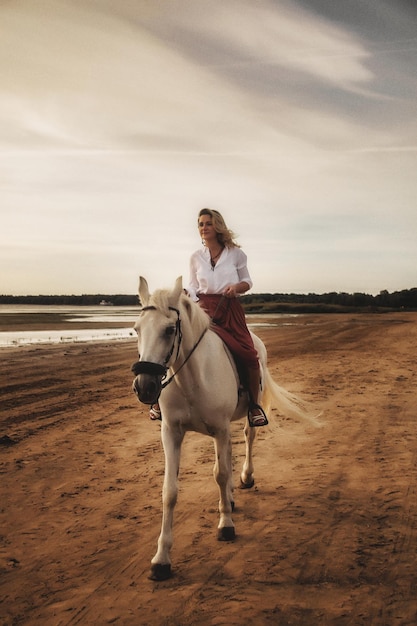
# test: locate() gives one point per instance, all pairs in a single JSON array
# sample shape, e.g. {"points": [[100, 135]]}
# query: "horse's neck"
{"points": [[202, 351], [191, 339]]}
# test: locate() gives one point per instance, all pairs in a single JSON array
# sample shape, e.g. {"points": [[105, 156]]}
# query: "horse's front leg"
{"points": [[246, 476], [223, 475], [161, 562]]}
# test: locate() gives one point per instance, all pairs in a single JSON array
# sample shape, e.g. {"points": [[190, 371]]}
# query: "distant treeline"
{"points": [[255, 303], [83, 300], [330, 302]]}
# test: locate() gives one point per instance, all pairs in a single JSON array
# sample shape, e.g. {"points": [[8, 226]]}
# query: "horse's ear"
{"points": [[143, 291], [176, 292]]}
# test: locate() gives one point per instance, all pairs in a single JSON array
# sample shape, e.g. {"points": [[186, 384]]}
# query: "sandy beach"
{"points": [[328, 535]]}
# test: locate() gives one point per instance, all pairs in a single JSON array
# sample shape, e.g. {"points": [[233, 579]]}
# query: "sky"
{"points": [[119, 121]]}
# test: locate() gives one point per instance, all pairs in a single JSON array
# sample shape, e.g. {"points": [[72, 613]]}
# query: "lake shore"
{"points": [[328, 535]]}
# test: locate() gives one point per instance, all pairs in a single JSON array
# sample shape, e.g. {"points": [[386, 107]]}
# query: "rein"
{"points": [[185, 360]]}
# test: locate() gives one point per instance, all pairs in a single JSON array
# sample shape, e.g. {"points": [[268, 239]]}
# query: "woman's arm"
{"points": [[234, 290]]}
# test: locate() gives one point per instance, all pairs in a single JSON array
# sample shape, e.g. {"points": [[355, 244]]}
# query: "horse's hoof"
{"points": [[227, 533], [246, 485], [160, 572]]}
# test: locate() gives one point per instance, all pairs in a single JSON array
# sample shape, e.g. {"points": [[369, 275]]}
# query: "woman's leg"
{"points": [[256, 414]]}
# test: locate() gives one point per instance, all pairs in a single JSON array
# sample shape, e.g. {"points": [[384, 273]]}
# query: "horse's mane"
{"points": [[160, 300], [198, 318], [190, 311]]}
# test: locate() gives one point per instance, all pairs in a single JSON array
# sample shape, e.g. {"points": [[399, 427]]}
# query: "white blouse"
{"points": [[231, 268]]}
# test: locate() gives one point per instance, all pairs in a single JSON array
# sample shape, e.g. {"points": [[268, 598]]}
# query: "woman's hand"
{"points": [[232, 291]]}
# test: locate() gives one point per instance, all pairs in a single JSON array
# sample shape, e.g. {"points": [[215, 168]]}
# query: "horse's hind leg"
{"points": [[246, 476], [223, 475], [161, 562]]}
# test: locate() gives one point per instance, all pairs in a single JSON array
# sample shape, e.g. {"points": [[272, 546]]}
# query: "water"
{"points": [[114, 323], [108, 320]]}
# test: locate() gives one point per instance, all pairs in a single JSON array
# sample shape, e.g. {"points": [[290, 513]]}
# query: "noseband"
{"points": [[156, 369], [147, 367]]}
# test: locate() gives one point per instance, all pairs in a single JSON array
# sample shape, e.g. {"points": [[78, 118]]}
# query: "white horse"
{"points": [[202, 393]]}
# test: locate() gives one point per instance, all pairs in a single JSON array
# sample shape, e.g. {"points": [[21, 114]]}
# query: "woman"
{"points": [[218, 275]]}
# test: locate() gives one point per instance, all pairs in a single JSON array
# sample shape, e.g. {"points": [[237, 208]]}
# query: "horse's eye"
{"points": [[169, 331]]}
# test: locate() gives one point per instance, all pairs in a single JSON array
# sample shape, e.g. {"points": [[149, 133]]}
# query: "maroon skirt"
{"points": [[228, 321]]}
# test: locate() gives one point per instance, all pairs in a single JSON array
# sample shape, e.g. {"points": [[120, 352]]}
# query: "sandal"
{"points": [[259, 419], [155, 413]]}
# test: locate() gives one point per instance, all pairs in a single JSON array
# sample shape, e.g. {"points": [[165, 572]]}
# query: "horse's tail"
{"points": [[287, 403]]}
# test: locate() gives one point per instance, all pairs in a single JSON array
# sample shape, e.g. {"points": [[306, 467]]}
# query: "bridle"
{"points": [[158, 369]]}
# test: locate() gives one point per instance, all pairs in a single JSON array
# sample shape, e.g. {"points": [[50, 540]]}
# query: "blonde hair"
{"points": [[225, 236]]}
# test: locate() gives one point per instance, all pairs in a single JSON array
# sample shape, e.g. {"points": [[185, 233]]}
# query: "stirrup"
{"points": [[155, 413], [257, 420]]}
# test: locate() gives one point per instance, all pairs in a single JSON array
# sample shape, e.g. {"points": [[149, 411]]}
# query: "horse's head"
{"points": [[159, 339]]}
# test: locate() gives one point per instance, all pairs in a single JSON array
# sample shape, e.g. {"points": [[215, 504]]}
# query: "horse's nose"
{"points": [[147, 388], [135, 387]]}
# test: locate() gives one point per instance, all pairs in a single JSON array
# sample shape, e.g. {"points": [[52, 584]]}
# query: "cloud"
{"points": [[84, 88], [118, 121]]}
